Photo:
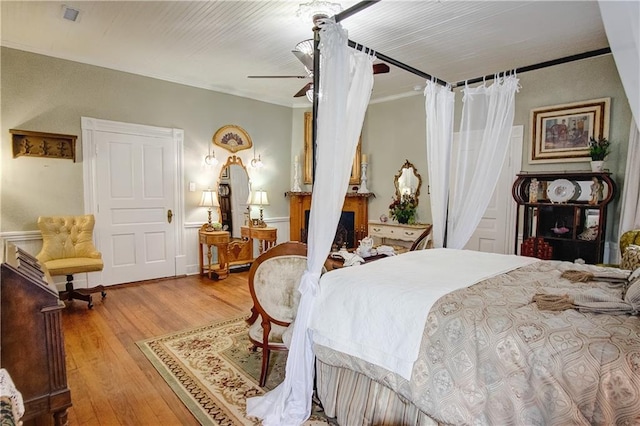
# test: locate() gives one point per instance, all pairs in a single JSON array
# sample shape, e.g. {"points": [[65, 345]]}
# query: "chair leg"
{"points": [[70, 293], [265, 365]]}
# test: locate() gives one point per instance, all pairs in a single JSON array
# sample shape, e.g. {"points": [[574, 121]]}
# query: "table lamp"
{"points": [[209, 199], [260, 199]]}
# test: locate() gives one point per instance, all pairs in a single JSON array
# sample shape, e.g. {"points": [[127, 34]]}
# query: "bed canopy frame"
{"points": [[367, 3]]}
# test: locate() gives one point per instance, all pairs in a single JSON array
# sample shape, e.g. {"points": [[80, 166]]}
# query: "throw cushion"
{"points": [[631, 257]]}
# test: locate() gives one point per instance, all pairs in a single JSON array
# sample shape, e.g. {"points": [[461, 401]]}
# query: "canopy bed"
{"points": [[515, 371], [484, 354]]}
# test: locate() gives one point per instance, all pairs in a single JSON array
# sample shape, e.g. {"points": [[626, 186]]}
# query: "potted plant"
{"points": [[598, 150], [403, 209]]}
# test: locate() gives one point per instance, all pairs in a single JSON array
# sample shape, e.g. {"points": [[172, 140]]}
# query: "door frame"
{"points": [[90, 125], [513, 166], [510, 168]]}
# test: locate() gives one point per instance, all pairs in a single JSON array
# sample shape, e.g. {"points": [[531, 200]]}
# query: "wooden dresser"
{"points": [[31, 339], [395, 234]]}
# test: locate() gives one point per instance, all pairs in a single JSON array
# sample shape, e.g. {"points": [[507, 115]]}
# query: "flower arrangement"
{"points": [[403, 208], [598, 149]]}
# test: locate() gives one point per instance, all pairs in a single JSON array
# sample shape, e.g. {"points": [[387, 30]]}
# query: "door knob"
{"points": [[169, 215]]}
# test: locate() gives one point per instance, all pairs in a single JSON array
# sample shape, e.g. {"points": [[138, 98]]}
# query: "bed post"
{"points": [[316, 87]]}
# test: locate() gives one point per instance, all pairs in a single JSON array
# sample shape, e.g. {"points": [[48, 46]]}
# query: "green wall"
{"points": [[395, 130], [50, 95], [41, 93]]}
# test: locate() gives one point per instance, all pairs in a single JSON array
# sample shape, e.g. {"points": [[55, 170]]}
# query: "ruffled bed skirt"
{"points": [[355, 399]]}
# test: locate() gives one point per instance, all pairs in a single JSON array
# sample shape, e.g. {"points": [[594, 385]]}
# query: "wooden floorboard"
{"points": [[111, 381]]}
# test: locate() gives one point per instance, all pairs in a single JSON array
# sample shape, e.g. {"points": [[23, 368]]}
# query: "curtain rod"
{"points": [[364, 4], [397, 63], [361, 6], [564, 60], [354, 9]]}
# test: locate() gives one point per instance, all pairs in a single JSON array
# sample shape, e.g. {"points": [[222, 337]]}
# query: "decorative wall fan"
{"points": [[304, 52]]}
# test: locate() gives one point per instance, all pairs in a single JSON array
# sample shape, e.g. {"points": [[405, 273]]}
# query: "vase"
{"points": [[403, 220], [596, 166]]}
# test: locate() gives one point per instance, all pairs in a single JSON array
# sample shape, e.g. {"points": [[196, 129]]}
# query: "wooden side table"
{"points": [[220, 239], [266, 236]]}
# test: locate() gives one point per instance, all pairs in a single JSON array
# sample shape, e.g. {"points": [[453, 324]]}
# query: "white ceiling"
{"points": [[217, 44]]}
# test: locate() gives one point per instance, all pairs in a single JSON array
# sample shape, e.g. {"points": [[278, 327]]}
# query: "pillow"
{"points": [[631, 258]]}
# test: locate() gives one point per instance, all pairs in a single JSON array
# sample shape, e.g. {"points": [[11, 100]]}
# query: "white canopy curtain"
{"points": [[622, 23], [439, 104], [630, 211], [346, 80], [487, 118]]}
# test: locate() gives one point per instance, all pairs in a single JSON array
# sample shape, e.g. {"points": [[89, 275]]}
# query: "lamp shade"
{"points": [[209, 198], [260, 198]]}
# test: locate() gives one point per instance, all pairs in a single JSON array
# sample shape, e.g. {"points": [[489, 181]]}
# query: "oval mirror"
{"points": [[408, 181], [233, 193]]}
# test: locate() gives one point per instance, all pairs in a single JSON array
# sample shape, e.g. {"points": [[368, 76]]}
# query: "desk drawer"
{"points": [[394, 232]]}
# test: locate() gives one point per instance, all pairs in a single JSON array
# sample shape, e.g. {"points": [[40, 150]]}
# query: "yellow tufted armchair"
{"points": [[67, 249], [630, 256], [628, 238], [273, 282]]}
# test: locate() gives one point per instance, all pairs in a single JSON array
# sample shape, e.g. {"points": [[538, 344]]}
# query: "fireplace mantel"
{"points": [[300, 203]]}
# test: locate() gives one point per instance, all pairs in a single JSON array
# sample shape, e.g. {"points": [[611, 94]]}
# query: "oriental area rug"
{"points": [[213, 370]]}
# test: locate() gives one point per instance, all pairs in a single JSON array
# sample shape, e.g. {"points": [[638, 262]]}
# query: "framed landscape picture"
{"points": [[561, 133]]}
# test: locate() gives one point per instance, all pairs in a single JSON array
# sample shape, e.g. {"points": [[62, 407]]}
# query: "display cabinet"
{"points": [[564, 211]]}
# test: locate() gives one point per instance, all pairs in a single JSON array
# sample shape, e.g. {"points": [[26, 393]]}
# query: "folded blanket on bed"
{"points": [[370, 311]]}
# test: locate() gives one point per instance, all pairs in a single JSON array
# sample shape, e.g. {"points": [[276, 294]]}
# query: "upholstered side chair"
{"points": [[273, 282], [424, 241], [67, 249], [629, 242]]}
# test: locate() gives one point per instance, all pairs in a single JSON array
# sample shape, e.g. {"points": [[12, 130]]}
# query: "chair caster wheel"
{"points": [[104, 294]]}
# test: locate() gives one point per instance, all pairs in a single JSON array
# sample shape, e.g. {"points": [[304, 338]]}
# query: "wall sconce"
{"points": [[209, 199], [259, 198], [256, 163], [210, 160]]}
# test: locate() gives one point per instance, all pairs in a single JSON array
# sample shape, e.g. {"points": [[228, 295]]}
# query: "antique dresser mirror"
{"points": [[233, 193], [408, 181]]}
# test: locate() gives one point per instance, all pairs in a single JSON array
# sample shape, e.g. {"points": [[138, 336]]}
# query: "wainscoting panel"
{"points": [[31, 242]]}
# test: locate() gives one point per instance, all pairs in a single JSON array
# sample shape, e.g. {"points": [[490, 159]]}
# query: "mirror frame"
{"points": [[396, 178], [225, 177], [232, 160]]}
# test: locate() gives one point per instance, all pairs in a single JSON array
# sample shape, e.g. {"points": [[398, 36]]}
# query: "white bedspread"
{"points": [[378, 311]]}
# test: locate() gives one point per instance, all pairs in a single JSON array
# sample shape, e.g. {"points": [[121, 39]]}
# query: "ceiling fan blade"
{"points": [[380, 68], [277, 76], [303, 91], [305, 58]]}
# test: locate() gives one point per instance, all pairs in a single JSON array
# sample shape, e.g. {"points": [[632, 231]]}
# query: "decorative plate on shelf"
{"points": [[560, 190]]}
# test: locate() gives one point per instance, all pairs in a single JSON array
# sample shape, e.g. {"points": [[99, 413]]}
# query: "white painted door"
{"points": [[496, 231], [135, 197]]}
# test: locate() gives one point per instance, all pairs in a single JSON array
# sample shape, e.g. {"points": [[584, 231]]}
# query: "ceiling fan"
{"points": [[304, 52]]}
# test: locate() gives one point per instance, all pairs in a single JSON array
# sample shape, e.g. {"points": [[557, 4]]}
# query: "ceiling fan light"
{"points": [[310, 94], [305, 46], [317, 9]]}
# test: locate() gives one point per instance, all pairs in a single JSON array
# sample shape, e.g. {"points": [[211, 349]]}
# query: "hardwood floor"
{"points": [[111, 381]]}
